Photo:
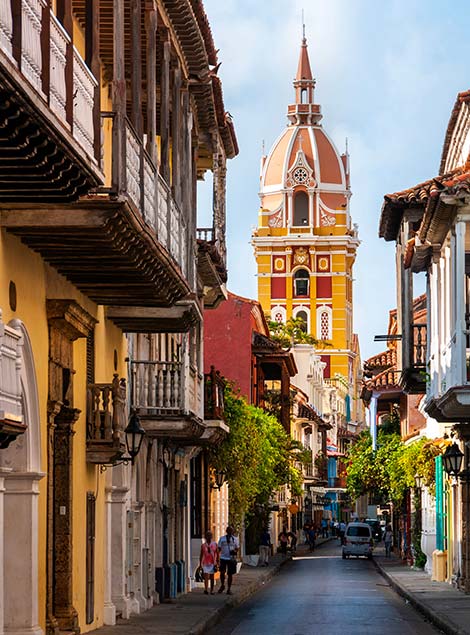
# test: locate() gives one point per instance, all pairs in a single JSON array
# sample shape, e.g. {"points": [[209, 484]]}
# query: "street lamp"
{"points": [[134, 435], [452, 459], [219, 478], [419, 480]]}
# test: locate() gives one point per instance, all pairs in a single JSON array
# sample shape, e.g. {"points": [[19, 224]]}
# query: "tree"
{"points": [[256, 457], [388, 472]]}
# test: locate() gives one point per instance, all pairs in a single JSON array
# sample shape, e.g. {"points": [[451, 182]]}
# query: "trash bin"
{"points": [[439, 565]]}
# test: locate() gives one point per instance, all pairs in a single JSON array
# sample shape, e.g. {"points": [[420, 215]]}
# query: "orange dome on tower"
{"points": [[305, 158]]}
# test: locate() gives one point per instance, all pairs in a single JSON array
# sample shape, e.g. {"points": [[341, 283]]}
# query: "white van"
{"points": [[358, 540]]}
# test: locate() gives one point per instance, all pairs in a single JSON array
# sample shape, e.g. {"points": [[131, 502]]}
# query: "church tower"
{"points": [[305, 244]]}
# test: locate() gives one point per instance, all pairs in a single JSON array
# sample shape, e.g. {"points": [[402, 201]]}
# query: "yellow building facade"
{"points": [[305, 243], [103, 281]]}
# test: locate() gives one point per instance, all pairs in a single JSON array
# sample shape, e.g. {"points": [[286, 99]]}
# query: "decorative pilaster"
{"points": [[52, 626], [64, 611]]}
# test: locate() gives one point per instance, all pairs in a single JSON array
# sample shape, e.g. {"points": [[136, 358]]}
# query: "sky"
{"points": [[387, 77]]}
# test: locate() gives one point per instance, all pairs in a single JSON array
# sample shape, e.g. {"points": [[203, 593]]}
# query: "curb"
{"points": [[435, 618], [217, 614]]}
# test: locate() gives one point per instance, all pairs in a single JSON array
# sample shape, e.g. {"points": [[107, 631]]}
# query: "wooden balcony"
{"points": [[216, 429], [169, 399], [106, 421], [123, 246], [211, 267], [413, 378], [11, 411], [48, 111], [214, 399]]}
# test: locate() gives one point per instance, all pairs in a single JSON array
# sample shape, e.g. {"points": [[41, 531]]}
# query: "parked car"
{"points": [[358, 540], [376, 528]]}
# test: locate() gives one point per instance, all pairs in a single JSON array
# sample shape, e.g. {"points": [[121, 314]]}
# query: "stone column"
{"points": [[109, 615], [20, 542], [119, 594]]}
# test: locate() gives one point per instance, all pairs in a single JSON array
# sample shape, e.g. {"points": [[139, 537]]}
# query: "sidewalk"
{"points": [[446, 607], [194, 613]]}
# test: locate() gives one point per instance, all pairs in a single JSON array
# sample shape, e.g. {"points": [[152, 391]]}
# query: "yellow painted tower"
{"points": [[305, 244]]}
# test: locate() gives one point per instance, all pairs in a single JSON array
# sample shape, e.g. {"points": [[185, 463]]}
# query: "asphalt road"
{"points": [[325, 595]]}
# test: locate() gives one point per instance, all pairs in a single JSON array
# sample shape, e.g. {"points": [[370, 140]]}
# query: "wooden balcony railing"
{"points": [[43, 51], [106, 421], [165, 390], [136, 177], [214, 389], [11, 398], [205, 233], [419, 352], [157, 387]]}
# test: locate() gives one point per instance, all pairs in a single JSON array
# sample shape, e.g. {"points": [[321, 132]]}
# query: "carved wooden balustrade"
{"points": [[136, 177], [158, 387], [106, 421], [11, 412], [214, 388], [25, 43], [169, 398], [49, 113], [413, 378]]}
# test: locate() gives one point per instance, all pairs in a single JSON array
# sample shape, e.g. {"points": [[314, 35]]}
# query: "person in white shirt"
{"points": [[228, 549]]}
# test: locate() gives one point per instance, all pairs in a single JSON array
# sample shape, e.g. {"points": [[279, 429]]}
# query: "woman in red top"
{"points": [[209, 560]]}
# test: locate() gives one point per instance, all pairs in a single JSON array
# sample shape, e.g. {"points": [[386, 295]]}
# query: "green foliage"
{"points": [[292, 332], [256, 456], [391, 470], [391, 422]]}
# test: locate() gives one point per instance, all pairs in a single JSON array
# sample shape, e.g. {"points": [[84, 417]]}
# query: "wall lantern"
{"points": [[219, 479], [452, 459], [419, 481], [134, 435]]}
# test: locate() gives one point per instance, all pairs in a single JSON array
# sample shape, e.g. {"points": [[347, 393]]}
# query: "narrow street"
{"points": [[323, 594]]}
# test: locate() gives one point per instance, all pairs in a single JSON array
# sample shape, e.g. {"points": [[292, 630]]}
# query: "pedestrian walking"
{"points": [[306, 529], [264, 548], [324, 528], [209, 561], [228, 549], [312, 534], [283, 540], [342, 531], [293, 541], [388, 540]]}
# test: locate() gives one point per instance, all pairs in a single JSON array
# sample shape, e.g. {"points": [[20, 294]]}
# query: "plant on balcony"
{"points": [[292, 332], [320, 461], [256, 457]]}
